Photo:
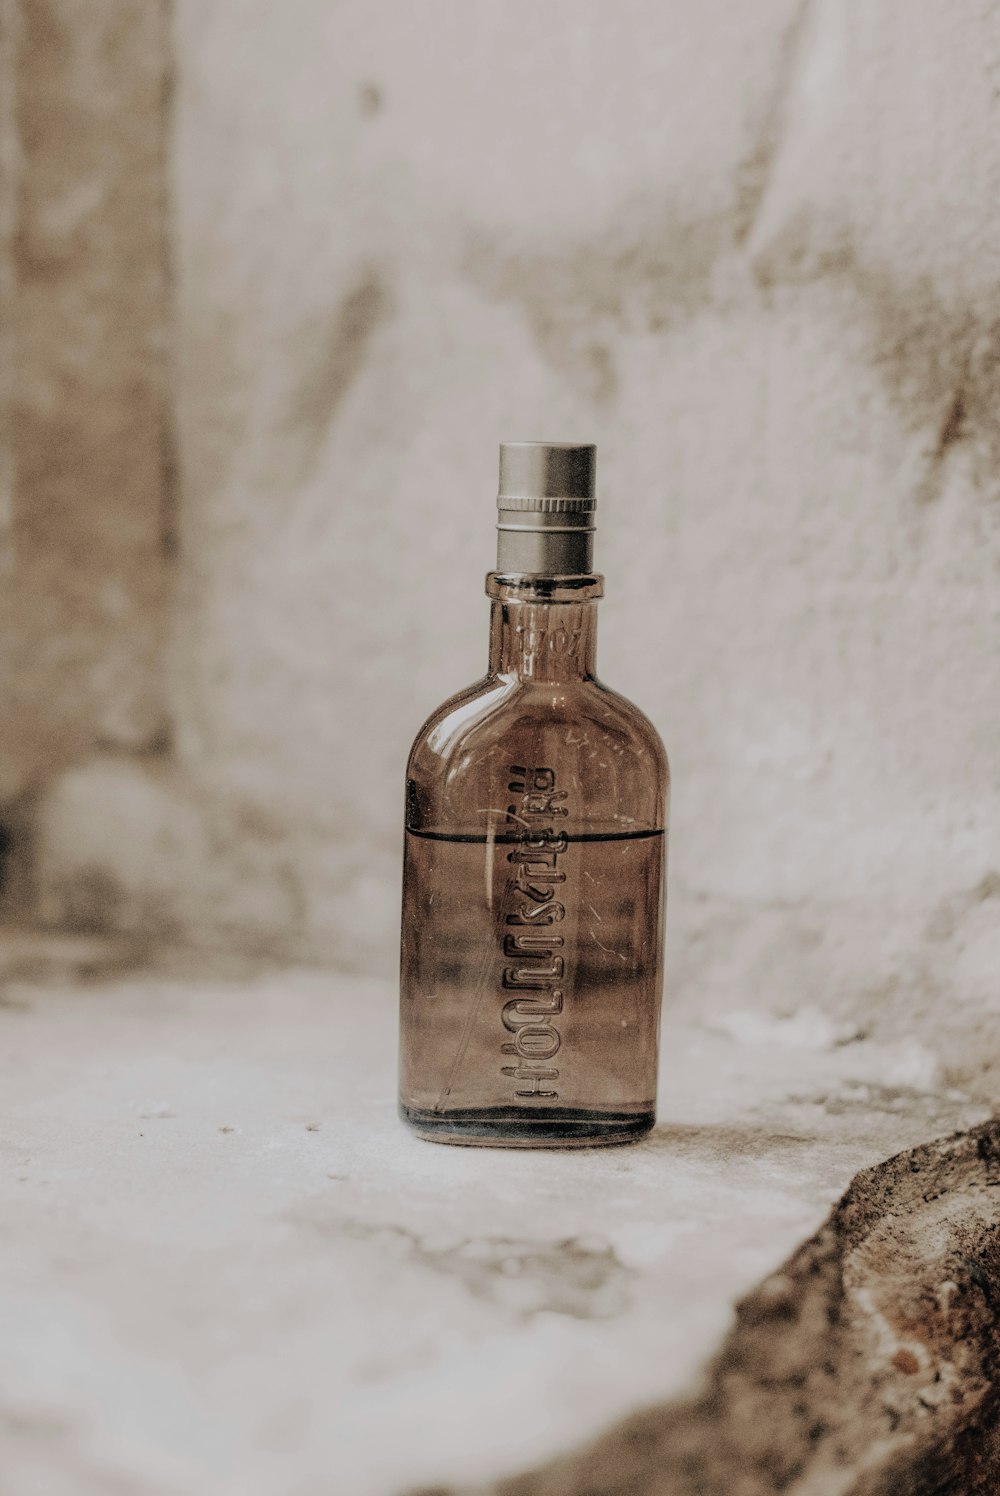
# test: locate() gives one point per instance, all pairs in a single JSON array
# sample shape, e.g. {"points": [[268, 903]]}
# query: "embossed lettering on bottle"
{"points": [[537, 966]]}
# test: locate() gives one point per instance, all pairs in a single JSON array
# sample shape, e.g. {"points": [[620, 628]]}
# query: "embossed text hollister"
{"points": [[534, 969]]}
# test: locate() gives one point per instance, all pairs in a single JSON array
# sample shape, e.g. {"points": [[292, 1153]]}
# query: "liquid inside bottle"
{"points": [[533, 895]]}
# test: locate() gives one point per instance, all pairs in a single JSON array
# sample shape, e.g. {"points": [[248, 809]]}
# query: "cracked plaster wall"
{"points": [[751, 250]]}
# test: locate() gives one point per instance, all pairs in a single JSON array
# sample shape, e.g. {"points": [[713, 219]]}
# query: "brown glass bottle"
{"points": [[533, 886]]}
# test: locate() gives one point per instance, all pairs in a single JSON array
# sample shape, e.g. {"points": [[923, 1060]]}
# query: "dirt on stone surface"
{"points": [[863, 1367]]}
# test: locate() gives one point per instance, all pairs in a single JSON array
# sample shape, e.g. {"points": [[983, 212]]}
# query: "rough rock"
{"points": [[865, 1366]]}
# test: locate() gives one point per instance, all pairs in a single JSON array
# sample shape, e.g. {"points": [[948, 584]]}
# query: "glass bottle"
{"points": [[533, 883]]}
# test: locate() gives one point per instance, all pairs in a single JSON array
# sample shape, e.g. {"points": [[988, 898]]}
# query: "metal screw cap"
{"points": [[546, 503], [547, 470]]}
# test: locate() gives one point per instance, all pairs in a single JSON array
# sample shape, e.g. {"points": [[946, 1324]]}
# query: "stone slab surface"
{"points": [[225, 1268]]}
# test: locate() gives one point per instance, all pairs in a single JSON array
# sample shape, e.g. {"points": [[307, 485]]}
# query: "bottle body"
{"points": [[533, 899]]}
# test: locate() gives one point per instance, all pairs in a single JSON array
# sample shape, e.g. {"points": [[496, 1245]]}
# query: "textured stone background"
{"points": [[752, 251], [258, 351]]}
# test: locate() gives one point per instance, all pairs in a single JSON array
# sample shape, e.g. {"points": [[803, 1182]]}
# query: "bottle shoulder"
{"points": [[635, 723], [450, 724], [605, 752], [500, 704]]}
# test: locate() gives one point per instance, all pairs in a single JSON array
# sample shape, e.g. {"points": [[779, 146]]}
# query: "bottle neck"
{"points": [[544, 628]]}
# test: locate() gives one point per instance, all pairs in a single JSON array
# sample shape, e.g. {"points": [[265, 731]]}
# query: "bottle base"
{"points": [[510, 1127]]}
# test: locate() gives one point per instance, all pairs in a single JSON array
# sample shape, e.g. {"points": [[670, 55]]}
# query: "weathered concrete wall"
{"points": [[751, 250], [83, 384], [8, 218]]}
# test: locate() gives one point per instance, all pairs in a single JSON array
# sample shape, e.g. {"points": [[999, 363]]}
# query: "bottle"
{"points": [[534, 865]]}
